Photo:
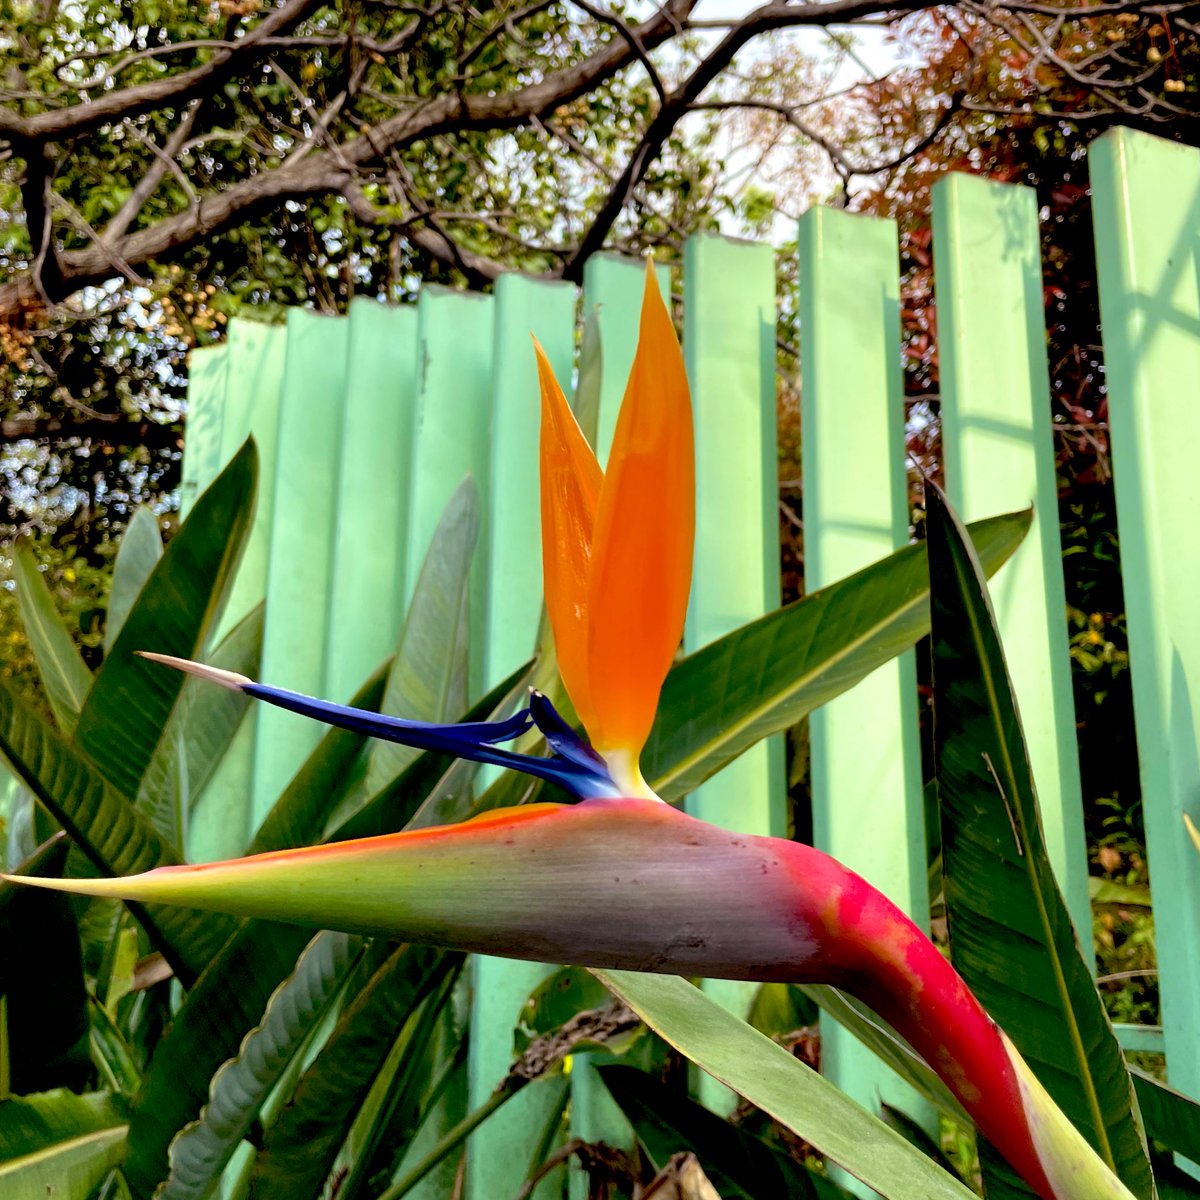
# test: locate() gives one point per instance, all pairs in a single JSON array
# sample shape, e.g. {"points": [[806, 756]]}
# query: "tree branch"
{"points": [[118, 431], [776, 14], [176, 90]]}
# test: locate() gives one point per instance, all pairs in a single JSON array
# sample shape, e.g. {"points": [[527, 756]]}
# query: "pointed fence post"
{"points": [[302, 531], [868, 808], [998, 450], [499, 1154], [613, 286], [451, 433], [207, 368], [1146, 209], [369, 546], [729, 345], [222, 820], [451, 438]]}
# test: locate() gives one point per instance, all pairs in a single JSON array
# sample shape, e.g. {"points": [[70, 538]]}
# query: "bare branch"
{"points": [[118, 431], [776, 14]]}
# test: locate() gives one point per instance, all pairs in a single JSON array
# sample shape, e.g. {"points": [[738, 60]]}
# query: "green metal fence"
{"points": [[367, 423]]}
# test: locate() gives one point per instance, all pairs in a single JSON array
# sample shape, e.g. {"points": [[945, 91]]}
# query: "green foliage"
{"points": [[1011, 937], [328, 1060]]}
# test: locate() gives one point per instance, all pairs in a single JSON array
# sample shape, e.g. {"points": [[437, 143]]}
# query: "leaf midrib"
{"points": [[1010, 777], [754, 715]]}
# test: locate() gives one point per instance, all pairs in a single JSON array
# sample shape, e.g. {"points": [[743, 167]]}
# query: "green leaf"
{"points": [[138, 554], [783, 1087], [888, 1045], [428, 680], [113, 835], [71, 1168], [1171, 1117], [405, 1093], [765, 676], [112, 1053], [29, 1124], [300, 1147], [63, 672], [199, 732], [131, 701], [1010, 935], [738, 1164], [239, 1089], [225, 1002]]}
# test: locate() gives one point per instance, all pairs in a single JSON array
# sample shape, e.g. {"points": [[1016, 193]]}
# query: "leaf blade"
{"points": [[768, 1076], [763, 677], [1011, 936], [132, 699], [63, 672], [140, 549]]}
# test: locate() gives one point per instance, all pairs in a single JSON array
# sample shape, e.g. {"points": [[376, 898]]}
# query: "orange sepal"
{"points": [[641, 569], [571, 481]]}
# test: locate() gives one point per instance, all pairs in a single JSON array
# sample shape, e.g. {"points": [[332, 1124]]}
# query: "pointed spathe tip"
{"points": [[228, 679]]}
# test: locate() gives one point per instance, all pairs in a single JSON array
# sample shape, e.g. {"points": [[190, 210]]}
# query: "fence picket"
{"points": [[220, 824], [998, 451], [1146, 198], [612, 288], [865, 765], [302, 532], [498, 1156], [451, 431], [366, 600], [207, 368], [729, 344]]}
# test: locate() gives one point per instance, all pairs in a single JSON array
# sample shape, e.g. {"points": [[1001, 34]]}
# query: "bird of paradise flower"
{"points": [[678, 895]]}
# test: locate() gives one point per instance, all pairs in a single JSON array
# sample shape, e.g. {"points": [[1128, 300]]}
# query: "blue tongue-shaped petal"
{"points": [[574, 765], [560, 737]]}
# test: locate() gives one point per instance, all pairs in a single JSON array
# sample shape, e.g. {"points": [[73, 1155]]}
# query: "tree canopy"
{"points": [[166, 163]]}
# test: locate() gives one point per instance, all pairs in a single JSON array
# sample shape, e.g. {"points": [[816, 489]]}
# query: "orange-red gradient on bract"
{"points": [[617, 546]]}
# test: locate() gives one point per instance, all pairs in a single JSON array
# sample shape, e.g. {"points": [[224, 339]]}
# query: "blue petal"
{"points": [[576, 768], [560, 737]]}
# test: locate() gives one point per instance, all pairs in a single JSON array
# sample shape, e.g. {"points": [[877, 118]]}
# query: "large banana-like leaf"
{"points": [[225, 1002], [765, 676], [883, 1041], [198, 733], [299, 1148], [778, 1083], [140, 549], [63, 672], [738, 1164], [29, 1124], [1010, 935], [1171, 1117], [239, 1089], [404, 1094], [113, 835], [428, 680], [72, 1168], [131, 701], [58, 1144]]}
